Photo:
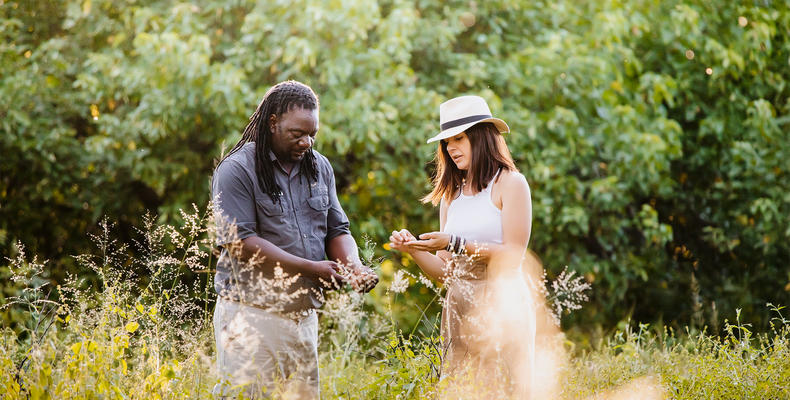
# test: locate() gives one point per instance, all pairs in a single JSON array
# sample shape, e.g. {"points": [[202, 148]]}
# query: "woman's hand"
{"points": [[433, 265], [431, 241], [398, 240]]}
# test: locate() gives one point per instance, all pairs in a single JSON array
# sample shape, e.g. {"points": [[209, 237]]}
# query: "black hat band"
{"points": [[458, 122]]}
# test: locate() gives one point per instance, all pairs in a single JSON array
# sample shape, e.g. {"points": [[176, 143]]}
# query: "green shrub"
{"points": [[654, 133]]}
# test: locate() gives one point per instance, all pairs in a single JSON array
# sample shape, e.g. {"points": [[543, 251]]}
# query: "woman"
{"points": [[485, 220]]}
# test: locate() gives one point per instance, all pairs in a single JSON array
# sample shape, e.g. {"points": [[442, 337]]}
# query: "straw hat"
{"points": [[458, 114]]}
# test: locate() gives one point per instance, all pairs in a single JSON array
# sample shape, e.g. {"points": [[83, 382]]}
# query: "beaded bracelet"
{"points": [[451, 244], [461, 248], [456, 245]]}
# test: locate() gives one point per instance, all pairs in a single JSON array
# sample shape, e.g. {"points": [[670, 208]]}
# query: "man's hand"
{"points": [[362, 279], [366, 280], [344, 249], [328, 273], [369, 279]]}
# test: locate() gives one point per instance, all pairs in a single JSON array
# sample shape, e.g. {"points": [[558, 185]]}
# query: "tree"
{"points": [[653, 133]]}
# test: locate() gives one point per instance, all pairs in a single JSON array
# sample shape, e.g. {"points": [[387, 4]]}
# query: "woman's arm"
{"points": [[516, 223]]}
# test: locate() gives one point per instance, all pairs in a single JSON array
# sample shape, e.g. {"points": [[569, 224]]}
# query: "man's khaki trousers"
{"points": [[265, 354]]}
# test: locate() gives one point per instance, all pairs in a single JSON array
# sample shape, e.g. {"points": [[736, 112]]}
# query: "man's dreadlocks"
{"points": [[278, 100]]}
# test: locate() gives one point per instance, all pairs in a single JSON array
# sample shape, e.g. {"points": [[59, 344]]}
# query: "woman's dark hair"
{"points": [[489, 155], [278, 100]]}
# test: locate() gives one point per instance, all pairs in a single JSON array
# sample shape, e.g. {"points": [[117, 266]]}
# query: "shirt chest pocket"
{"points": [[319, 203], [318, 198], [316, 214], [270, 216], [317, 210], [270, 208]]}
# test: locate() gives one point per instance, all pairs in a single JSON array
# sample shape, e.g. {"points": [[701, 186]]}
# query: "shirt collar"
{"points": [[295, 170]]}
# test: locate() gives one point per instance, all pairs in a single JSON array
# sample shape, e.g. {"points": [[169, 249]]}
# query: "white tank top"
{"points": [[475, 218]]}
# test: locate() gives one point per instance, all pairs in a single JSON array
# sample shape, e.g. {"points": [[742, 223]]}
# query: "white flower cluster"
{"points": [[564, 294], [400, 282]]}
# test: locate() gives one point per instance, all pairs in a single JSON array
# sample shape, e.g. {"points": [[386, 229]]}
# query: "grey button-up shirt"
{"points": [[307, 216]]}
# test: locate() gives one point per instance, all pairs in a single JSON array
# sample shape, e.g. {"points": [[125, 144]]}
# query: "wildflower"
{"points": [[400, 282], [564, 294], [425, 281]]}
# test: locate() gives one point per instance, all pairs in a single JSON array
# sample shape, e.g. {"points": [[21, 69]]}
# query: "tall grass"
{"points": [[736, 365], [142, 332]]}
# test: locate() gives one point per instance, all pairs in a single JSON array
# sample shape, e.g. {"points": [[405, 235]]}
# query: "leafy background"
{"points": [[654, 134]]}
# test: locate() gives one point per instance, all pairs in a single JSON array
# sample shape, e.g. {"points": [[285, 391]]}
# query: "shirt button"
{"points": [[304, 235]]}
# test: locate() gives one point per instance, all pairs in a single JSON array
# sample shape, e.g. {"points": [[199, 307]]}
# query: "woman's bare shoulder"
{"points": [[510, 184], [513, 179]]}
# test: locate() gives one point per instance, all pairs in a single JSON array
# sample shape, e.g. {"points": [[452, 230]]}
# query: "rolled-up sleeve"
{"points": [[336, 219], [234, 203]]}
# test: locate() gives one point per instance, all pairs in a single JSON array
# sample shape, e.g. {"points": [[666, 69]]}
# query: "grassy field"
{"points": [[139, 336]]}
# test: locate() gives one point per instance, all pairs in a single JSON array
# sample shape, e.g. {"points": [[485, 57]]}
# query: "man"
{"points": [[278, 220]]}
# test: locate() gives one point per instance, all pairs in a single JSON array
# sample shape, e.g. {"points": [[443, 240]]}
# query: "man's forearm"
{"points": [[270, 255], [343, 248]]}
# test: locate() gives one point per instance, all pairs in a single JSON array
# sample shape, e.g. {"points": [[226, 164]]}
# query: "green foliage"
{"points": [[644, 168]]}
